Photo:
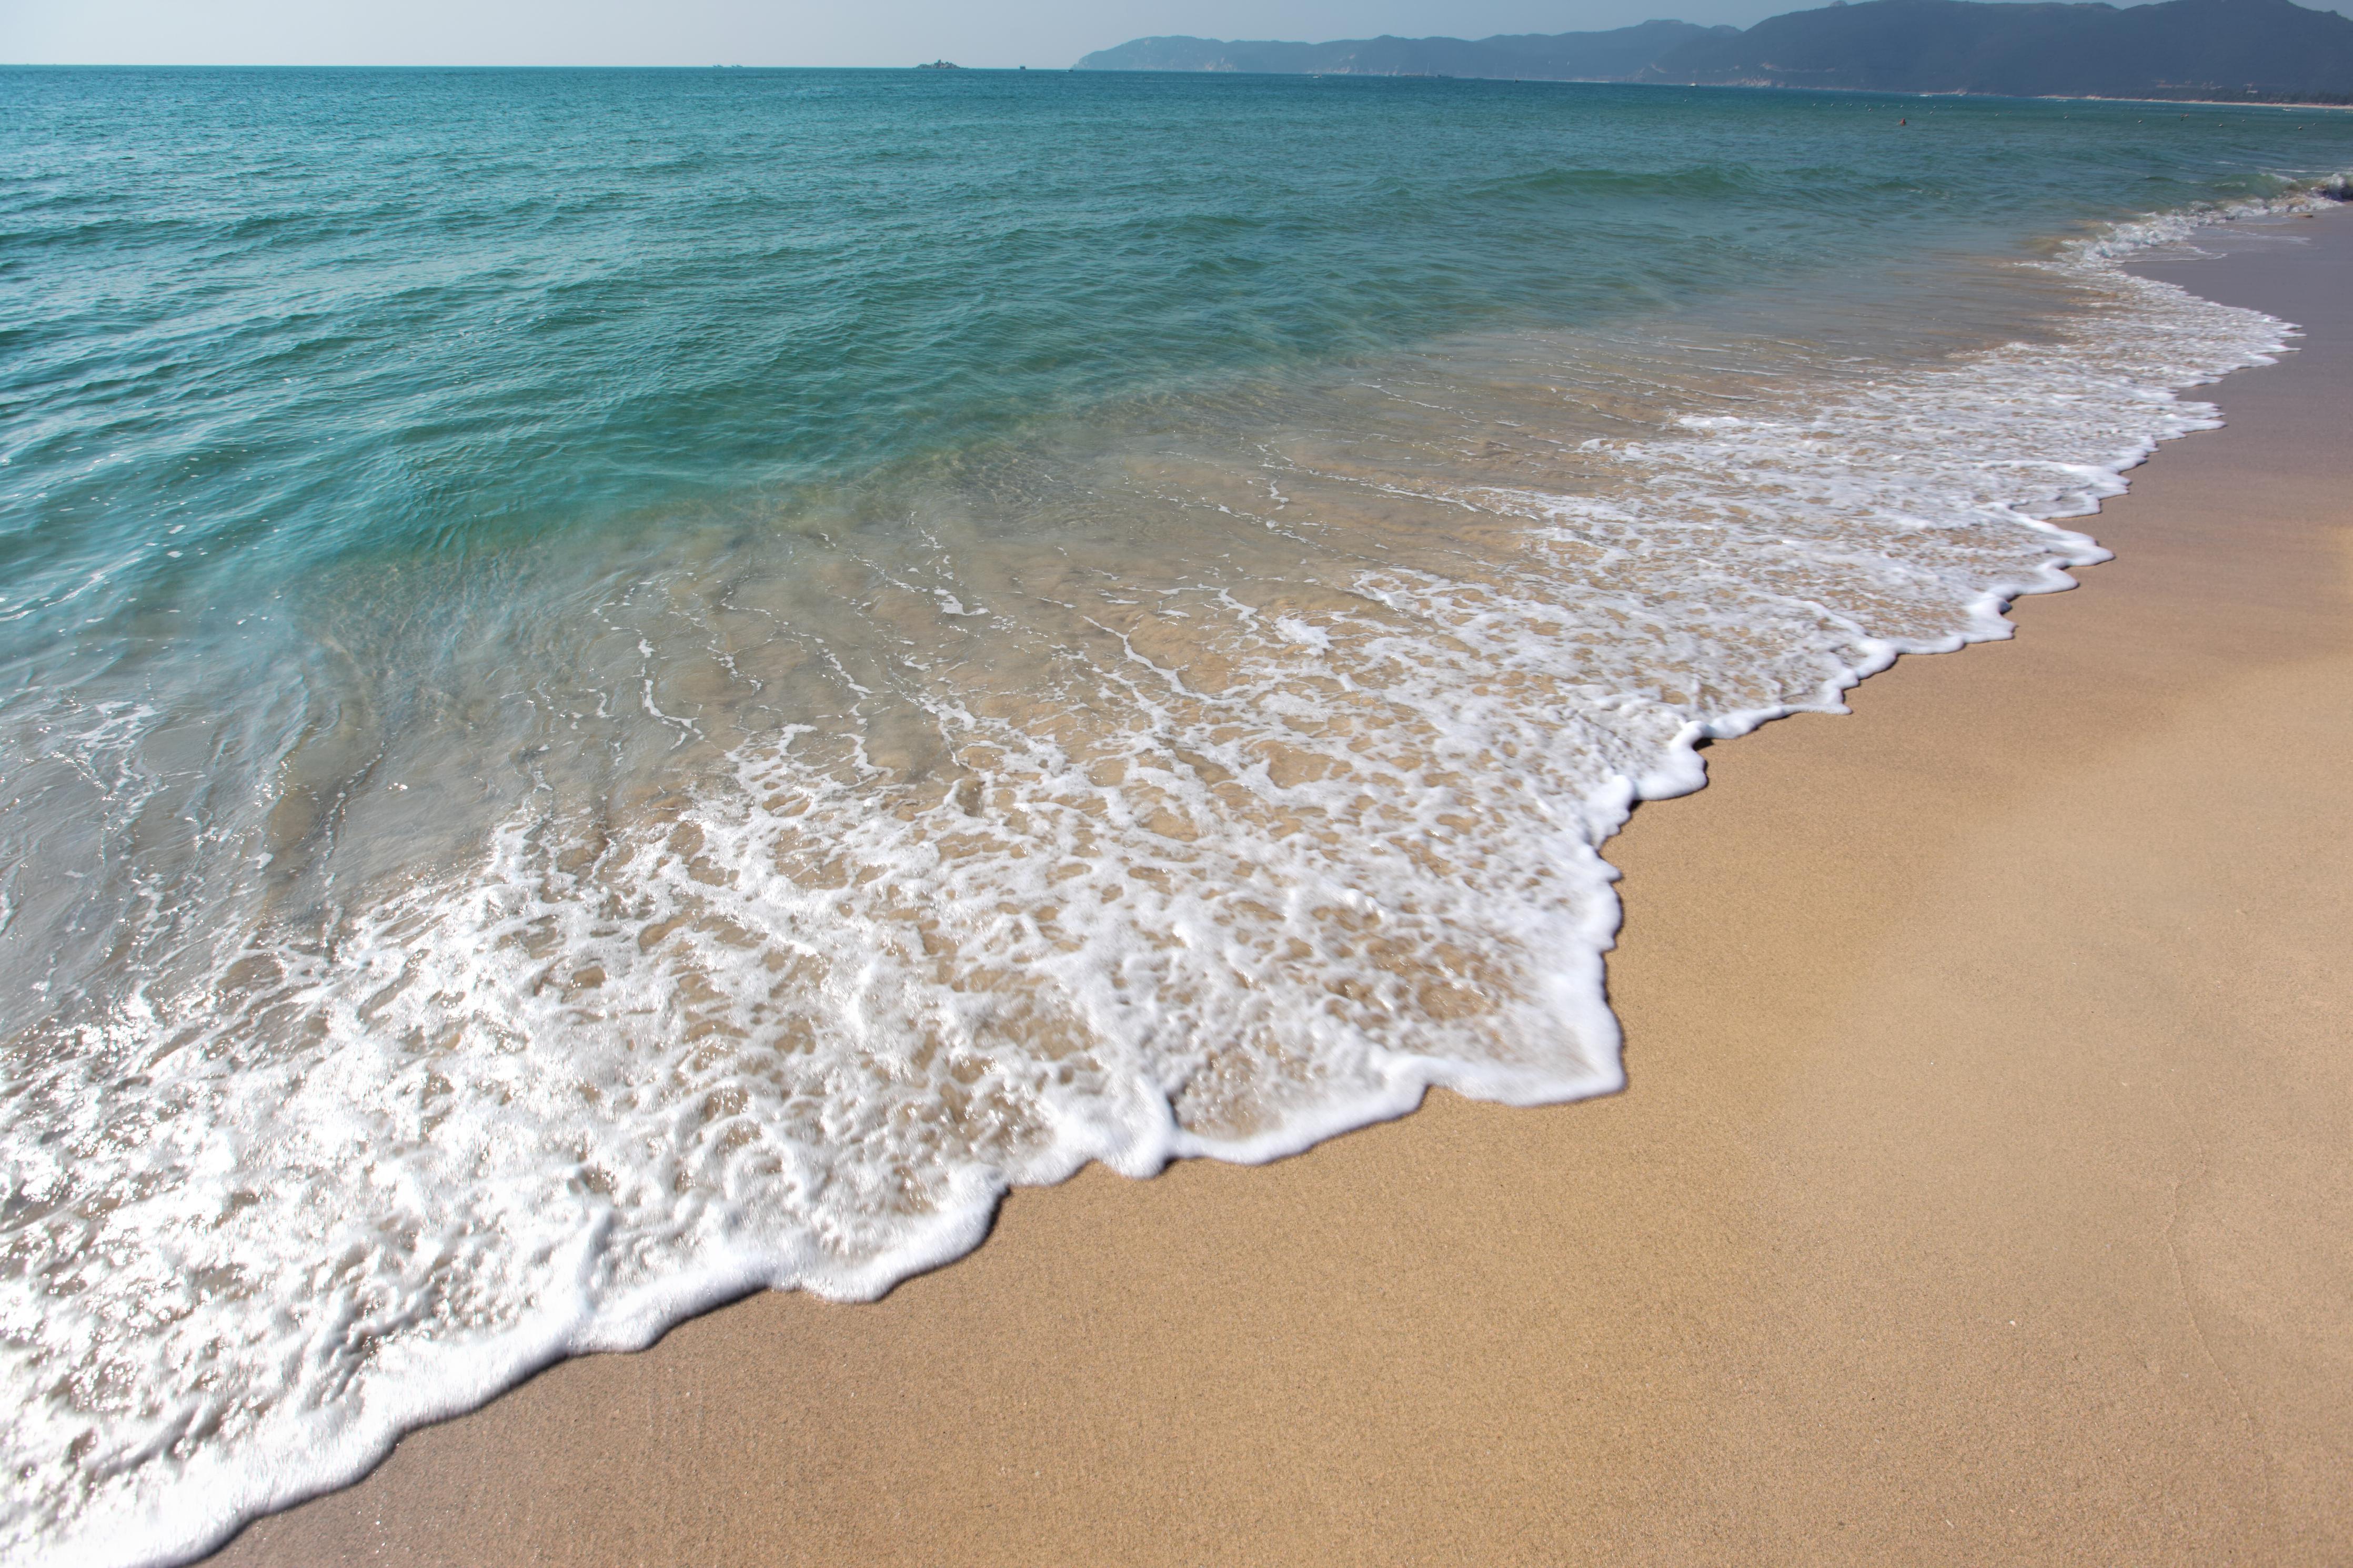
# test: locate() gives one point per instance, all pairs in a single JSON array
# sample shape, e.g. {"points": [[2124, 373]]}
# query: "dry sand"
{"points": [[1984, 1192]]}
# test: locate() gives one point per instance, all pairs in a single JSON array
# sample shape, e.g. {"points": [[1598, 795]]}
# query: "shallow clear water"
{"points": [[616, 687]]}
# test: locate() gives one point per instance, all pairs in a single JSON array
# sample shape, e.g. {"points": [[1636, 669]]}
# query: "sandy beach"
{"points": [[1982, 1193]]}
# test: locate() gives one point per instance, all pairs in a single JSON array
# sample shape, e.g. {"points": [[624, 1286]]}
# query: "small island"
{"points": [[940, 66]]}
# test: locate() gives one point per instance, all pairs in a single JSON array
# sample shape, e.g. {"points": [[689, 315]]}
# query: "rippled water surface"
{"points": [[616, 687]]}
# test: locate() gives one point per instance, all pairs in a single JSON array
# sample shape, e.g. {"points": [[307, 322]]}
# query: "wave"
{"points": [[1212, 833]]}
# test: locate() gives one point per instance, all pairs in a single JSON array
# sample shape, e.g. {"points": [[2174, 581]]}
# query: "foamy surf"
{"points": [[1255, 786]]}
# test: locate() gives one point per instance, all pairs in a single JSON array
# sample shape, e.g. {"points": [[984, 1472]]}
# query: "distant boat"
{"points": [[940, 66]]}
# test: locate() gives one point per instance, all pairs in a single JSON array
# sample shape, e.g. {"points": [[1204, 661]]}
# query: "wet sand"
{"points": [[1982, 1194]]}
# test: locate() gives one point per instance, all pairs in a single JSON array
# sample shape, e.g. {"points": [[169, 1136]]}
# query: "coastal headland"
{"points": [[1979, 1193], [2236, 51]]}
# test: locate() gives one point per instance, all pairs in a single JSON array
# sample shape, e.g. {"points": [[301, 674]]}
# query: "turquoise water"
{"points": [[619, 686], [426, 311]]}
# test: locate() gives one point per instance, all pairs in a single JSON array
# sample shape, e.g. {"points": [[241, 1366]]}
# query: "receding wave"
{"points": [[849, 869]]}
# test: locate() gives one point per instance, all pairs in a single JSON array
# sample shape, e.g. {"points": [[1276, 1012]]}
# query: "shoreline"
{"points": [[1672, 1325]]}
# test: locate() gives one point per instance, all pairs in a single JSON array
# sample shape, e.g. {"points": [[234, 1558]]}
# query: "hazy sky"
{"points": [[753, 32]]}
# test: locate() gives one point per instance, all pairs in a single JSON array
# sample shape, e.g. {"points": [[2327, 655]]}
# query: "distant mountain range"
{"points": [[1618, 54], [2237, 49]]}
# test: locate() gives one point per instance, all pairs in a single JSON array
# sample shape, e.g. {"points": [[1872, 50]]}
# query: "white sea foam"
{"points": [[1248, 865]]}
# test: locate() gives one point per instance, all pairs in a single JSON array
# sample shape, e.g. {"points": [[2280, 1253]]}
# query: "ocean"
{"points": [[617, 688]]}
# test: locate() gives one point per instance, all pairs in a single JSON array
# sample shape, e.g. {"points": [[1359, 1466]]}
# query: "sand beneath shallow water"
{"points": [[1982, 1194]]}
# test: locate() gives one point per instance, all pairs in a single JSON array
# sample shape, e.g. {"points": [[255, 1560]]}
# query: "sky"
{"points": [[1044, 33]]}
